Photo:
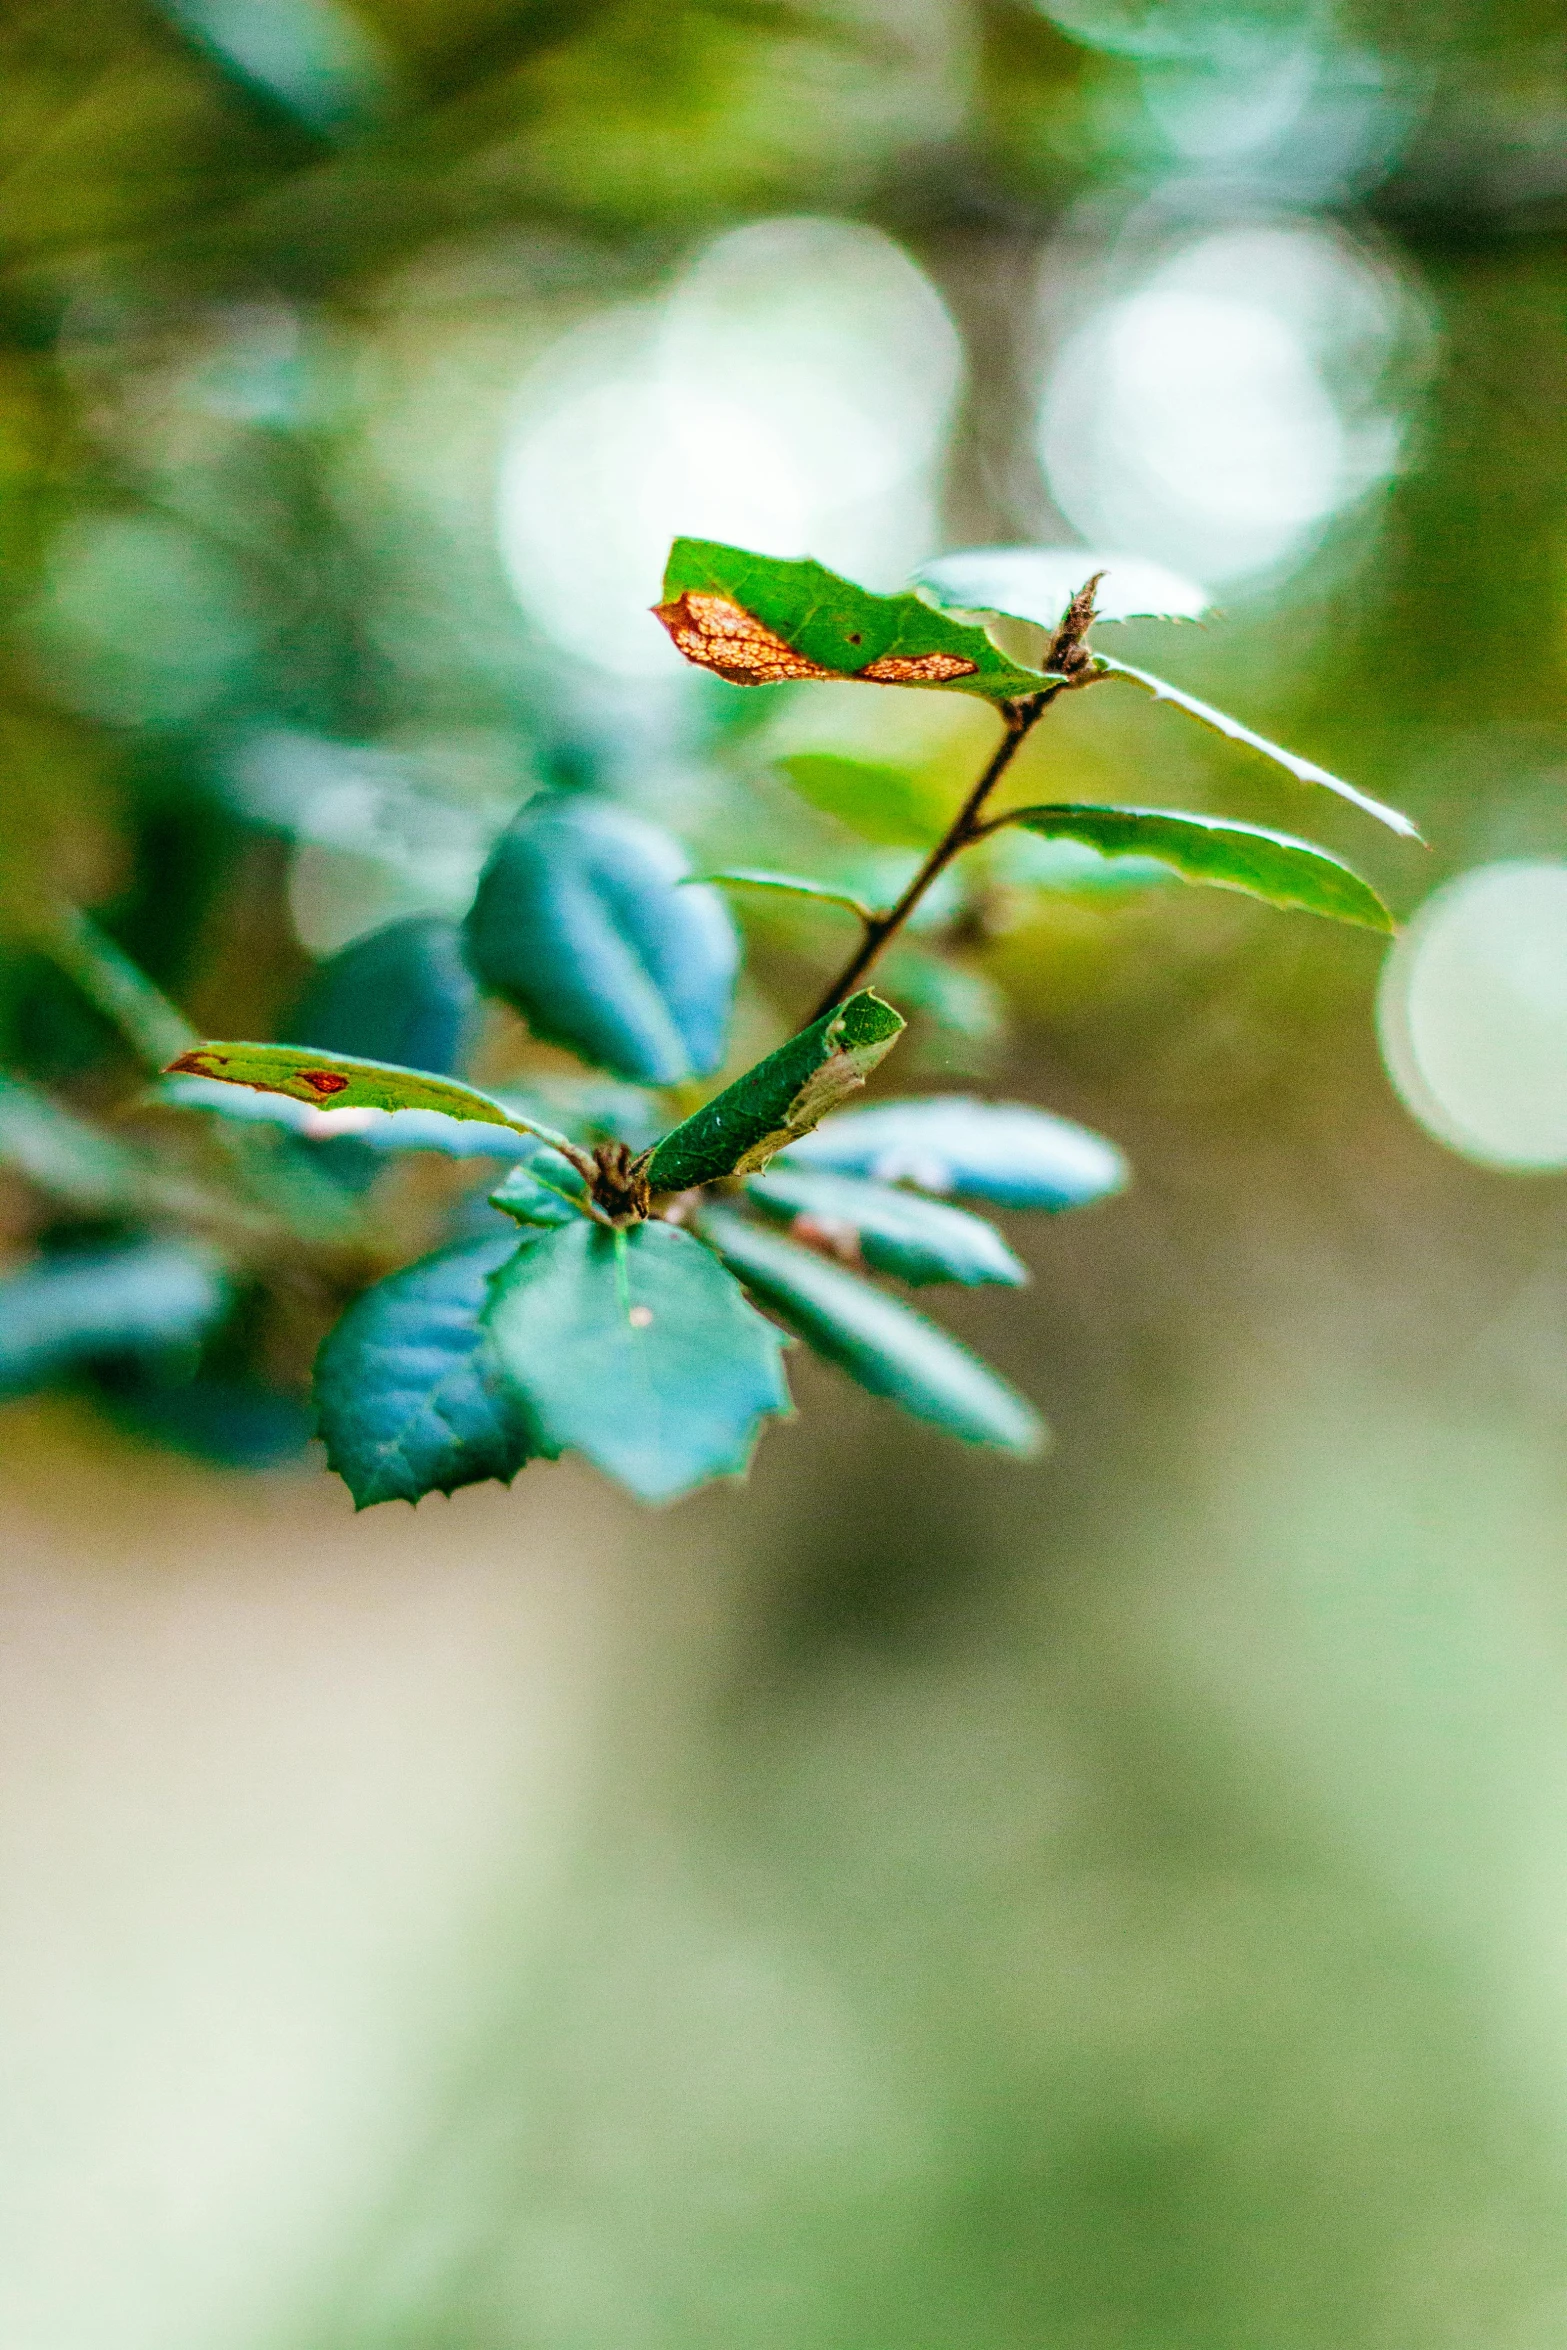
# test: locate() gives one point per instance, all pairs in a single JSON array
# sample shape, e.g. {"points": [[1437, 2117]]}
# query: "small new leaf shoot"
{"points": [[778, 1100]]}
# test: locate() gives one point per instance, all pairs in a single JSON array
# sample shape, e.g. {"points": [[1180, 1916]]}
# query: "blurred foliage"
{"points": [[991, 1989]]}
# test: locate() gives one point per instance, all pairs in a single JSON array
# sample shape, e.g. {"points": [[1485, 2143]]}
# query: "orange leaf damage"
{"points": [[722, 636]]}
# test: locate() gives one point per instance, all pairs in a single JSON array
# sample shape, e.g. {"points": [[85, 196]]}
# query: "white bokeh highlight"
{"points": [[792, 393], [1218, 416], [1472, 1015]]}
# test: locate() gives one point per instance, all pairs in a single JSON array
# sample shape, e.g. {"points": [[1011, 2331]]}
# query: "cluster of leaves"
{"points": [[640, 1314]]}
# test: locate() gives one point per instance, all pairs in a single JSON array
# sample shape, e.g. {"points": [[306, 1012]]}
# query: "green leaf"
{"points": [[331, 1081], [744, 878], [580, 923], [543, 1190], [895, 1232], [886, 805], [1224, 854], [636, 1349], [69, 1308], [1006, 1152], [759, 619], [880, 1343], [1038, 583], [369, 1129], [402, 995], [780, 1098], [1303, 770], [409, 1396]]}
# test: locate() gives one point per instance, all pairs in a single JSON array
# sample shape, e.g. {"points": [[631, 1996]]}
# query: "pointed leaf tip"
{"points": [[1303, 770], [882, 1345], [332, 1081], [916, 1240], [779, 1099], [1284, 872]]}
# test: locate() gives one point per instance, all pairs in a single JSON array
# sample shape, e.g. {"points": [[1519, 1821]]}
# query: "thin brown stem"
{"points": [[1020, 718]]}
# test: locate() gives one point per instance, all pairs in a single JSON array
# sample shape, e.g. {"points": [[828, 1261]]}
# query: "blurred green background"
{"points": [[908, 1902]]}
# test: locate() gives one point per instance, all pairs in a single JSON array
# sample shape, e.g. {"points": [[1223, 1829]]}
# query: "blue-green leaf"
{"points": [[401, 994], [408, 1394], [779, 1098], [880, 1343], [1215, 849], [897, 1232], [81, 1304], [638, 1350], [1005, 1152], [581, 923], [1037, 584]]}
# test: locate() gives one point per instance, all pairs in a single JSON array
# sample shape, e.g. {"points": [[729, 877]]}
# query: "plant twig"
{"points": [[1020, 717], [1069, 664]]}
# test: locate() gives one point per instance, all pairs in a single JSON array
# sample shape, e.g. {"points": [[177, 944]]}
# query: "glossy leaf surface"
{"points": [[402, 994], [883, 804], [881, 1344], [780, 1098], [1038, 583], [581, 923], [637, 1349], [1005, 1152], [66, 1309], [408, 1395], [791, 885], [1224, 854], [918, 1240], [333, 1082], [759, 619], [1303, 770]]}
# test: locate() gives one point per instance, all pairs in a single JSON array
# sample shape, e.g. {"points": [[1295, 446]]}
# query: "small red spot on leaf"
{"points": [[323, 1080]]}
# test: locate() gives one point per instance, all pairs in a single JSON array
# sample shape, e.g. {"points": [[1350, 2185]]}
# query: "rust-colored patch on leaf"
{"points": [[722, 636], [719, 635], [323, 1081], [925, 669]]}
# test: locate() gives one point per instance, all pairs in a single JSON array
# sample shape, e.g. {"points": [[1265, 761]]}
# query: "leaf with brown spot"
{"points": [[763, 620]]}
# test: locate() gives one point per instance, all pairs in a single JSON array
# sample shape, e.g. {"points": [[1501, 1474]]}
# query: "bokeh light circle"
{"points": [[1472, 1015], [791, 391], [1219, 414]]}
